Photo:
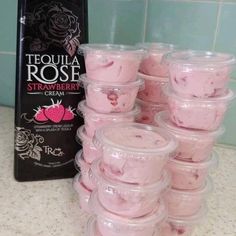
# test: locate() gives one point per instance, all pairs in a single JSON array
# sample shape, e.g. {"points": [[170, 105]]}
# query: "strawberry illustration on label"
{"points": [[69, 114], [39, 115], [54, 112]]}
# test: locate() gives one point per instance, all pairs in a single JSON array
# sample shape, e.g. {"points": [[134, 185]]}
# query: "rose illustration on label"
{"points": [[26, 144], [53, 24]]}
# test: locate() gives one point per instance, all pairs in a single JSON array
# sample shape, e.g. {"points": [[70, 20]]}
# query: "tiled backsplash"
{"points": [[197, 24]]}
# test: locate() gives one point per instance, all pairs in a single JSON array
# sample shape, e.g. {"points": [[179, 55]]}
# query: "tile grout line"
{"points": [[7, 53], [145, 20], [217, 26]]}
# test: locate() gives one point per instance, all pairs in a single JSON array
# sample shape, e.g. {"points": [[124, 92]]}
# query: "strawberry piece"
{"points": [[55, 112], [39, 115], [69, 114]]}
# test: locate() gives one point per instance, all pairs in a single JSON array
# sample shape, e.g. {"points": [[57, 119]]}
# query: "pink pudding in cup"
{"points": [[85, 171], [94, 120], [192, 113], [90, 152], [152, 64], [134, 153], [183, 226], [199, 74], [148, 111], [191, 175], [194, 145], [187, 202], [92, 229], [112, 63], [128, 200], [109, 224], [83, 192], [153, 89], [105, 97]]}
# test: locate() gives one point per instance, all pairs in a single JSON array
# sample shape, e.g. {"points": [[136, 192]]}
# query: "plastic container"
{"points": [[152, 63], [191, 175], [134, 153], [183, 226], [199, 74], [84, 168], [92, 229], [148, 111], [112, 63], [90, 152], [187, 202], [94, 120], [105, 97], [128, 200], [202, 114], [113, 225], [153, 89], [83, 192], [194, 145]]}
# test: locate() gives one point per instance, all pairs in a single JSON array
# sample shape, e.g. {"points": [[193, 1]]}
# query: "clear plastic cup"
{"points": [[187, 202], [194, 145], [199, 73], [184, 226], [134, 153], [148, 111], [191, 175], [106, 97], [113, 225], [152, 63], [112, 63], [84, 168], [202, 114], [90, 152], [128, 200], [83, 192], [94, 120], [92, 229], [153, 89]]}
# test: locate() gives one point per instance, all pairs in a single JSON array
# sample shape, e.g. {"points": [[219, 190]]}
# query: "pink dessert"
{"points": [[85, 171], [84, 193], [113, 225], [186, 202], [190, 175], [193, 145], [199, 74], [106, 98], [128, 200], [112, 63], [136, 154], [94, 120], [148, 111], [152, 63], [202, 114], [90, 152], [92, 229], [183, 226], [153, 89]]}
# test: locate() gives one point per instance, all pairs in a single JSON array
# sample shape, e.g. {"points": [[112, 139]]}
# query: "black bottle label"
{"points": [[47, 89]]}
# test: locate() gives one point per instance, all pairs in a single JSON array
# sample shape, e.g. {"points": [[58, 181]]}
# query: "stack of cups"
{"points": [[155, 74], [111, 86], [198, 98], [130, 179]]}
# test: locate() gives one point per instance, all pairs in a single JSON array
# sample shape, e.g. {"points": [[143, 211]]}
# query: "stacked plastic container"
{"points": [[155, 74], [130, 179], [111, 86], [198, 98]]}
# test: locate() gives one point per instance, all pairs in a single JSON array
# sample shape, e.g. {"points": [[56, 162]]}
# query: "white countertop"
{"points": [[50, 208]]}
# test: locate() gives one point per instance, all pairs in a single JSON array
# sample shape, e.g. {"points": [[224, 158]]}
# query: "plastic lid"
{"points": [[151, 104], [156, 216], [163, 120], [200, 58], [82, 107], [211, 162], [122, 187], [166, 145], [204, 190], [101, 84], [157, 47], [161, 80]]}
